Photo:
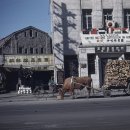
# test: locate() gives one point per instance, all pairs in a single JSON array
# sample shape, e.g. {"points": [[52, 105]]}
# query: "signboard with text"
{"points": [[104, 38], [110, 49]]}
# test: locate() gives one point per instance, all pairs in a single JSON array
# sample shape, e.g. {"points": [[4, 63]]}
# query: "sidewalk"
{"points": [[15, 97]]}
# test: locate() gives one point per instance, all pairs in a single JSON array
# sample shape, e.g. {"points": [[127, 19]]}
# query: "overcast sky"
{"points": [[18, 14]]}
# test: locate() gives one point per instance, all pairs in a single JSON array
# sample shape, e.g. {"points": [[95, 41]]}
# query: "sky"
{"points": [[18, 14]]}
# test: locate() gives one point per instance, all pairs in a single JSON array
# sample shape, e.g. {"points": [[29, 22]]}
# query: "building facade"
{"points": [[86, 33], [31, 48]]}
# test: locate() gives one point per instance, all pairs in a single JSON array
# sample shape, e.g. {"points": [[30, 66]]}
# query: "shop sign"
{"points": [[110, 49], [105, 38]]}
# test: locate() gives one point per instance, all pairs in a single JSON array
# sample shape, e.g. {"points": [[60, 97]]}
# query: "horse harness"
{"points": [[74, 83]]}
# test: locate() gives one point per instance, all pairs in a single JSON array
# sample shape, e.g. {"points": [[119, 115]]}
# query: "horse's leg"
{"points": [[72, 93], [61, 93], [89, 91], [91, 85], [76, 93]]}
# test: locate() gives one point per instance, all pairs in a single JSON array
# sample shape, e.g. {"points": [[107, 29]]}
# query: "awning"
{"points": [[35, 68]]}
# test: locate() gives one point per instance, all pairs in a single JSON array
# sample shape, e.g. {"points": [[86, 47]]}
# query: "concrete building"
{"points": [[86, 33]]}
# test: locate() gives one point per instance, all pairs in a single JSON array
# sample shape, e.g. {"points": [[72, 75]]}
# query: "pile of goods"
{"points": [[117, 72]]}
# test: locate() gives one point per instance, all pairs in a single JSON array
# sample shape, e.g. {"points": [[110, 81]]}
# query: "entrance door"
{"points": [[11, 80], [71, 66]]}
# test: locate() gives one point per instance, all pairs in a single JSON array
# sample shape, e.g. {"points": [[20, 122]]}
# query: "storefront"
{"points": [[41, 67], [97, 49]]}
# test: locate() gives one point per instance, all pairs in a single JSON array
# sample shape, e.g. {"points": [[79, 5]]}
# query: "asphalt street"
{"points": [[70, 114]]}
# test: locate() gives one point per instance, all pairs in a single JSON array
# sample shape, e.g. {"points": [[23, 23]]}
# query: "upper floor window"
{"points": [[41, 50], [35, 34], [25, 34], [107, 13], [16, 36], [31, 50], [36, 50], [26, 51], [31, 33], [127, 18], [20, 50], [87, 19]]}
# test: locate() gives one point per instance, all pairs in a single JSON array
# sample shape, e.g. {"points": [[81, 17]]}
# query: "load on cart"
{"points": [[117, 76]]}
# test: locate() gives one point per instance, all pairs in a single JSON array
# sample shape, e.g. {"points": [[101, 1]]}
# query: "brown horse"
{"points": [[72, 83]]}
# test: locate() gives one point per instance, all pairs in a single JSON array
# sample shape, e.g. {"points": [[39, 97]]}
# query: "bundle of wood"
{"points": [[117, 72]]}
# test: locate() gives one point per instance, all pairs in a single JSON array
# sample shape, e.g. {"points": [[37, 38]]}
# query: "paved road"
{"points": [[79, 114]]}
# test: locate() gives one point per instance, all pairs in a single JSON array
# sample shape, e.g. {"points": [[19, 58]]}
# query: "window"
{"points": [[36, 51], [31, 33], [16, 36], [41, 50], [26, 51], [20, 50], [31, 50], [127, 18], [35, 34], [91, 64], [25, 34], [87, 19], [107, 15]]}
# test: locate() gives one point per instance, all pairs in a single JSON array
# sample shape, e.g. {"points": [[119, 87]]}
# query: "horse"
{"points": [[72, 83]]}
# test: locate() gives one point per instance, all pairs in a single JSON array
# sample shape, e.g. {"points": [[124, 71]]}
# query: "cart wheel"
{"points": [[127, 90], [107, 93]]}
